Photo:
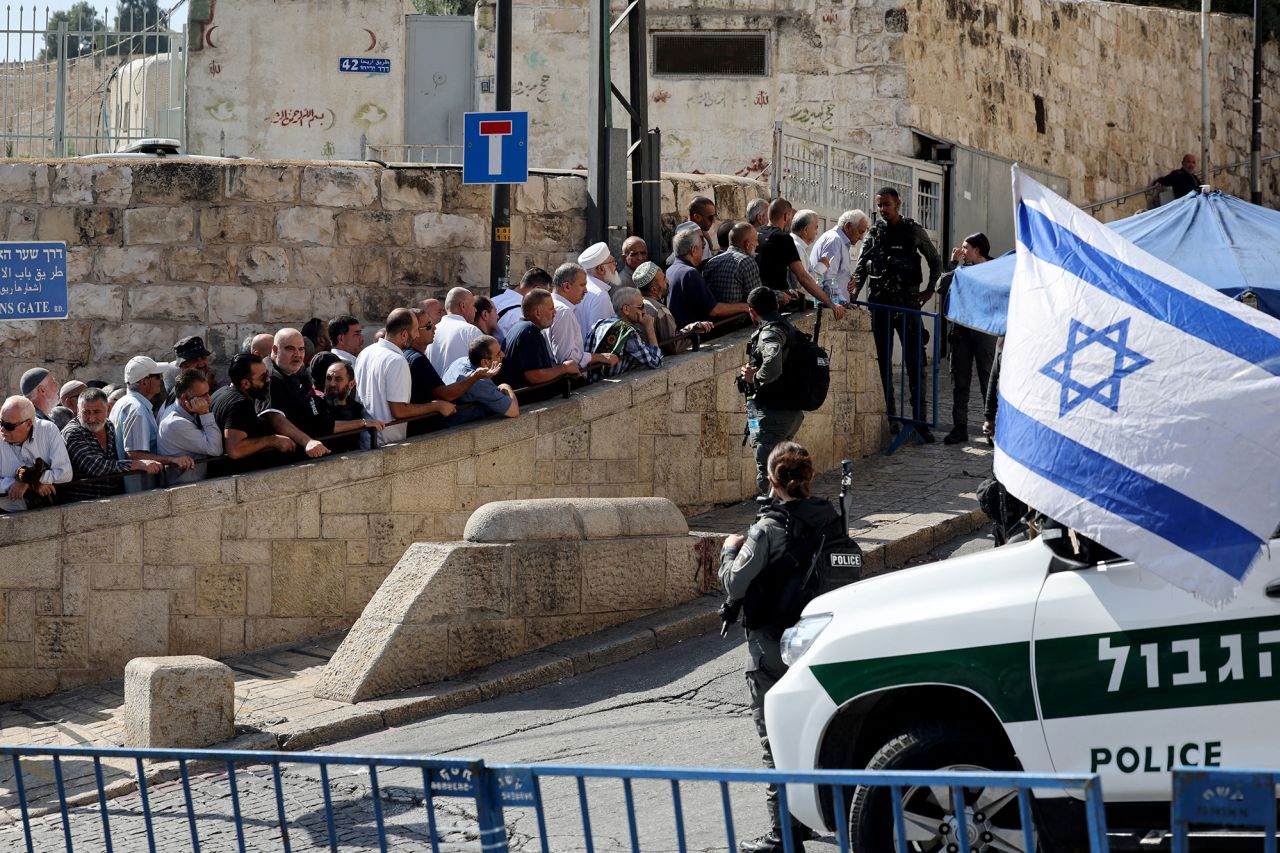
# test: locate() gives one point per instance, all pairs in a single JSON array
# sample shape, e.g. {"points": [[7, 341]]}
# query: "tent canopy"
{"points": [[1223, 241]]}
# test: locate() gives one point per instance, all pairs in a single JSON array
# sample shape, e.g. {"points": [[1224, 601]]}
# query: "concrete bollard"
{"points": [[180, 701]]}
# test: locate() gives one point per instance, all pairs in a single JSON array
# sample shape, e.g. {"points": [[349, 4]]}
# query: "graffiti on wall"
{"points": [[305, 117]]}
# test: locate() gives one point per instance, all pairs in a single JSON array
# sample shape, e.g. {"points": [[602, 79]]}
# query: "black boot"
{"points": [[958, 435], [770, 842], [926, 435]]}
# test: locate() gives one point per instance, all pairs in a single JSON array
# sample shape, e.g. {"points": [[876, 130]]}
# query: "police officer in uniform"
{"points": [[779, 415], [890, 268], [762, 577]]}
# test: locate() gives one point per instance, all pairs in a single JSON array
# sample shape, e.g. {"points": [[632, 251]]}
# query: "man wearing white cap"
{"points": [[602, 277], [134, 420]]}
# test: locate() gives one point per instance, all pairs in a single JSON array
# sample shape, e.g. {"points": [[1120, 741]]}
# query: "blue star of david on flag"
{"points": [[1107, 390]]}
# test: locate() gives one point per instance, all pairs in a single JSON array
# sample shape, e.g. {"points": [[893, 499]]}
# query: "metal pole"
{"points": [[500, 247], [1255, 146], [600, 98], [643, 213], [60, 96], [1204, 92]]}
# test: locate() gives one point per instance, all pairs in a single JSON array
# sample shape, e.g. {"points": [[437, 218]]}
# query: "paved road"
{"points": [[682, 706]]}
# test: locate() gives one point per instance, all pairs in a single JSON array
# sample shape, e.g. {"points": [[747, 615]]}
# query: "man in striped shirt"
{"points": [[91, 445]]}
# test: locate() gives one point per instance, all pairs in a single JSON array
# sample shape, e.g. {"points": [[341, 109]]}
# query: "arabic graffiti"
{"points": [[33, 280], [538, 91], [762, 98], [823, 118], [302, 118]]}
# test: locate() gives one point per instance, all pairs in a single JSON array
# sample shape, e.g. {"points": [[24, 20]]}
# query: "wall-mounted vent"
{"points": [[710, 54]]}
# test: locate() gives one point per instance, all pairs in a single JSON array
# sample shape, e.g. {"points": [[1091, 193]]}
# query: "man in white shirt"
{"points": [[189, 427], [347, 336], [842, 245], [508, 301], [26, 439], [569, 285], [382, 375], [602, 277], [454, 332]]}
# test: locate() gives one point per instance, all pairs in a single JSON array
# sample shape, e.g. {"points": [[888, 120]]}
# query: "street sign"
{"points": [[33, 281], [364, 65], [495, 148]]}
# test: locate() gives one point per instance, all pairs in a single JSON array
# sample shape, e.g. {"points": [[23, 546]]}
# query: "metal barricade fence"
{"points": [[1224, 799], [908, 402], [71, 798]]}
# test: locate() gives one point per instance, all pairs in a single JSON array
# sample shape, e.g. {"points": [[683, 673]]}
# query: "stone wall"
{"points": [[247, 562], [263, 77], [1116, 86], [157, 251], [1105, 94]]}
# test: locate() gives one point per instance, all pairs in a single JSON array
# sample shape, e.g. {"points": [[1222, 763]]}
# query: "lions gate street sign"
{"points": [[495, 148], [33, 281]]}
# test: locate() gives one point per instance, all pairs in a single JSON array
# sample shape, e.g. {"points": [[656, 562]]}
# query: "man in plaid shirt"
{"points": [[629, 335], [91, 444]]}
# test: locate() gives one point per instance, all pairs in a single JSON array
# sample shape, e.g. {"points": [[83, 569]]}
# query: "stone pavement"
{"points": [[900, 507]]}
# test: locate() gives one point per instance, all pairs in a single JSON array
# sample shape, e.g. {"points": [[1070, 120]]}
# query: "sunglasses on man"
{"points": [[8, 427]]}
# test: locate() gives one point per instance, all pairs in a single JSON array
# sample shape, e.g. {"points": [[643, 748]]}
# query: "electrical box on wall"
{"points": [[486, 85]]}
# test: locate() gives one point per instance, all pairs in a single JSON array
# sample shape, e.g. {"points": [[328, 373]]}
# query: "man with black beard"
{"points": [[340, 399], [247, 439]]}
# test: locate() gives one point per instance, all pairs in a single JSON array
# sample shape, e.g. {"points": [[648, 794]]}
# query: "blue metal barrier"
{"points": [[1229, 799], [908, 402], [246, 800]]}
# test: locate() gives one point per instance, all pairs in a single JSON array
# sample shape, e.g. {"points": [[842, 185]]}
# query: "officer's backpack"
{"points": [[817, 561], [806, 374]]}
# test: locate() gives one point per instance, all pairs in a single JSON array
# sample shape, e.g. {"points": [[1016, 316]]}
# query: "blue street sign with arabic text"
{"points": [[364, 65], [33, 281]]}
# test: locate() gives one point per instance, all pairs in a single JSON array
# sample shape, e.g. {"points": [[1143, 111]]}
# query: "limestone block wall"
{"points": [[224, 566], [528, 574], [158, 251], [1105, 94]]}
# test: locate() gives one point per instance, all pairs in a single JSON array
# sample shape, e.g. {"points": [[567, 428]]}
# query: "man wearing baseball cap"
{"points": [[134, 420], [192, 355]]}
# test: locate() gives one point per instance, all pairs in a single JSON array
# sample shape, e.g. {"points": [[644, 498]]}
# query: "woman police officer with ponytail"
{"points": [[762, 574]]}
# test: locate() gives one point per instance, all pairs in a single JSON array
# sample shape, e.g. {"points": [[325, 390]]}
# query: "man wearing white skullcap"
{"points": [[602, 277]]}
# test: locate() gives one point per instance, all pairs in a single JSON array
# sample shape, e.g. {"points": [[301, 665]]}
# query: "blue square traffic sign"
{"points": [[495, 148]]}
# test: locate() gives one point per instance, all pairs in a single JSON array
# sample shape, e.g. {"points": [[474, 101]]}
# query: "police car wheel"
{"points": [[991, 816]]}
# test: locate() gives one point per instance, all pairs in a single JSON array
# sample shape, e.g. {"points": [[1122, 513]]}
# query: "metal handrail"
{"points": [[1095, 206]]}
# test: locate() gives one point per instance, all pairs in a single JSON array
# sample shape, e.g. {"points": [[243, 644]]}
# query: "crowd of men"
{"points": [[324, 388]]}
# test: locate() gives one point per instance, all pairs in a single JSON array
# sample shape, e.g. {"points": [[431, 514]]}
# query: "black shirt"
{"points": [[1180, 181], [292, 396], [233, 410], [527, 349], [774, 255], [425, 382], [352, 410]]}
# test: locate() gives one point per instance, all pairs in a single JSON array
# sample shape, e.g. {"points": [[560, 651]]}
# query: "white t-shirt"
{"points": [[453, 336], [382, 375], [512, 299], [595, 305]]}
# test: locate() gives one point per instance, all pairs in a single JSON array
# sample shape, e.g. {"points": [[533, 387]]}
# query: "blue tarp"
{"points": [[1223, 241]]}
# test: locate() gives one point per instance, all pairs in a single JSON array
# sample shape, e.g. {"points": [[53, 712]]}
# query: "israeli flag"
{"points": [[1137, 405]]}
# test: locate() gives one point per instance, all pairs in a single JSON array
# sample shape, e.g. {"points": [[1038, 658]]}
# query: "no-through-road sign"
{"points": [[496, 148]]}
